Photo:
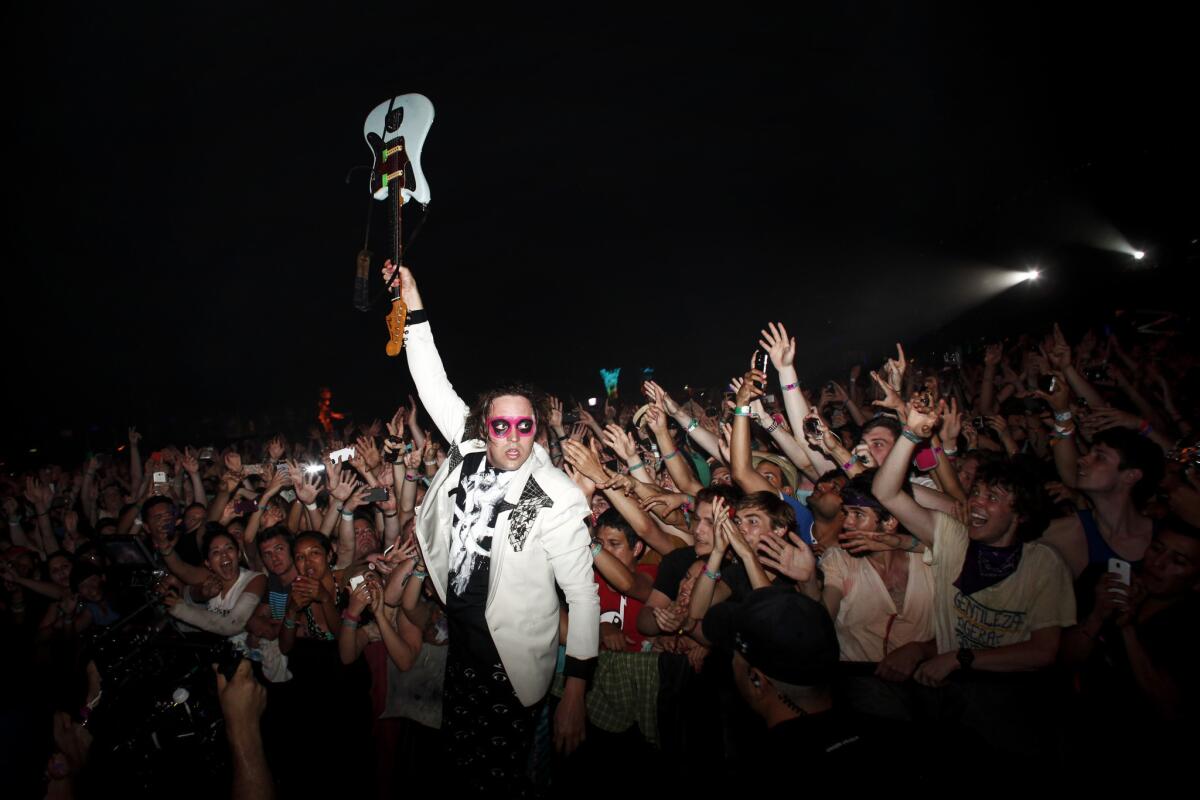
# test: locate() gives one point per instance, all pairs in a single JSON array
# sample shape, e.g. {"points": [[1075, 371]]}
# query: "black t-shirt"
{"points": [[735, 577], [673, 568], [470, 637], [833, 745]]}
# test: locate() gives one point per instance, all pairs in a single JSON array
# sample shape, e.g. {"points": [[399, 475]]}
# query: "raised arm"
{"points": [[782, 349], [741, 464], [889, 480], [442, 403]]}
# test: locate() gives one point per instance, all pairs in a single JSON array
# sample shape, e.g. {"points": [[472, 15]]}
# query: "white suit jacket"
{"points": [[540, 539]]}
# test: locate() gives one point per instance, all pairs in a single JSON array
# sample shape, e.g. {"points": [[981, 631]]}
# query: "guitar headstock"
{"points": [[395, 323]]}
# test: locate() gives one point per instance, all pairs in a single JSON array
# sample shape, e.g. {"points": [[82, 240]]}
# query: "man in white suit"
{"points": [[499, 528]]}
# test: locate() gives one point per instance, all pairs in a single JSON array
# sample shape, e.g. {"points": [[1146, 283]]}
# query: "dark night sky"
{"points": [[607, 189]]}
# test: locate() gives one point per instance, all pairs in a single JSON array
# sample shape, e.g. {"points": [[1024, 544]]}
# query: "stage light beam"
{"points": [[1033, 274], [1138, 255]]}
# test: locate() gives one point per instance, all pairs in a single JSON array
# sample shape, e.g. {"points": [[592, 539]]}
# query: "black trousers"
{"points": [[487, 731]]}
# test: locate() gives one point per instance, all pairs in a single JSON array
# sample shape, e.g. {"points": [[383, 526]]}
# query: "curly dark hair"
{"points": [[477, 416]]}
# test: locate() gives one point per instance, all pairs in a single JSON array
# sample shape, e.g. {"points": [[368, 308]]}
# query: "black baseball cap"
{"points": [[779, 631]]}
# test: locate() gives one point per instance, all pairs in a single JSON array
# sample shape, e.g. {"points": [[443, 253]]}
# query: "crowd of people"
{"points": [[986, 571]]}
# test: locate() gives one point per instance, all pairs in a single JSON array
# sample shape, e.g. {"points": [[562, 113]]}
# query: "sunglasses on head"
{"points": [[499, 427]]}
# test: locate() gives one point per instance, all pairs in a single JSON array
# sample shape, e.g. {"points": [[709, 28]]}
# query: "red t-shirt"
{"points": [[621, 610]]}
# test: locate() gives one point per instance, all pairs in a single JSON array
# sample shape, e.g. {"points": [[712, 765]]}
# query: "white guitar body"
{"points": [[395, 140]]}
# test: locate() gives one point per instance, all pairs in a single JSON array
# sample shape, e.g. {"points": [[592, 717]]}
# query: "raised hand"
{"points": [[664, 504], [748, 389], [134, 437], [367, 450], [341, 483], [39, 494], [891, 395], [585, 460], [1102, 419], [791, 558], [895, 368], [992, 354], [555, 419], [621, 441], [776, 342], [404, 279], [657, 395], [1059, 354], [585, 484], [952, 424], [922, 421]]}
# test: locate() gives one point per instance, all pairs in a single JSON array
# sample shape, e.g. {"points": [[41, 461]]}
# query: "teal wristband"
{"points": [[596, 548], [637, 465], [695, 423], [670, 455], [912, 437], [716, 576], [741, 411]]}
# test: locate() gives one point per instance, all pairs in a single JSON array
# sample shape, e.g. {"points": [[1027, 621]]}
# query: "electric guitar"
{"points": [[395, 131]]}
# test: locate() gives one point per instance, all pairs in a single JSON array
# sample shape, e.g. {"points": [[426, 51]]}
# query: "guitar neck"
{"points": [[397, 208]]}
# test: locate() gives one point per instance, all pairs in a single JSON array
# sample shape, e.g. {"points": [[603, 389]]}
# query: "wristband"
{"points": [[774, 426], [167, 552], [311, 506], [410, 476], [389, 516], [1063, 416], [846, 467], [636, 465], [908, 433], [791, 387], [596, 548], [419, 575], [415, 317], [348, 617], [716, 576], [1144, 429], [430, 463], [346, 514], [950, 453], [912, 545], [695, 423], [670, 455], [741, 411], [261, 508], [290, 624]]}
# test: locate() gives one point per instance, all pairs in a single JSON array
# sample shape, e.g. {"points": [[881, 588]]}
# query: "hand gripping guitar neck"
{"points": [[395, 131]]}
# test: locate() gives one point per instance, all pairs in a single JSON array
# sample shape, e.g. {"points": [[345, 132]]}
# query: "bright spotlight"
{"points": [[1138, 255], [1033, 275]]}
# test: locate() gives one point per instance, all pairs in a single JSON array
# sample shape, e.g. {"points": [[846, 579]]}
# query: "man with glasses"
{"points": [[499, 527]]}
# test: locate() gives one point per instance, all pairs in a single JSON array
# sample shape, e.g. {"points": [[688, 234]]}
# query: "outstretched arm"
{"points": [[441, 402]]}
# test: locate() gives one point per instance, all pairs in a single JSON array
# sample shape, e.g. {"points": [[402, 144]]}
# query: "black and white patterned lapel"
{"points": [[526, 509]]}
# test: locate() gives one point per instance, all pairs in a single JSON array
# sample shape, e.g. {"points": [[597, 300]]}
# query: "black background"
{"points": [[610, 188]]}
